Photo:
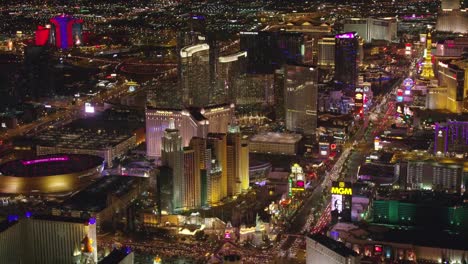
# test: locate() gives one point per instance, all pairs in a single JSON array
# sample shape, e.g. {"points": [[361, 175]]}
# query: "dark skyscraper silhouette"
{"points": [[346, 60]]}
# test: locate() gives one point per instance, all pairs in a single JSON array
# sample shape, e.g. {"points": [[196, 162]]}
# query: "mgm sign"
{"points": [[342, 188], [341, 198]]}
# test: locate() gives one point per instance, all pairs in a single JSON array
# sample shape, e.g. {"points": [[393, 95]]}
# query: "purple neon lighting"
{"points": [[456, 132], [92, 221], [345, 35], [30, 162]]}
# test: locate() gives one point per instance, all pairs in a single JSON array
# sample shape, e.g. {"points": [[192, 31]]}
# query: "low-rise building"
{"points": [[107, 200], [107, 144], [324, 250], [275, 143]]}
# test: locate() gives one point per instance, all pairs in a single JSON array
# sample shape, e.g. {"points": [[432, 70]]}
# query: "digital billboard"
{"points": [[341, 198], [89, 108]]}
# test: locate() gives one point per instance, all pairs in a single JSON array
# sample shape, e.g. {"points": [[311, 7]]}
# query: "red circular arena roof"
{"points": [[49, 165]]}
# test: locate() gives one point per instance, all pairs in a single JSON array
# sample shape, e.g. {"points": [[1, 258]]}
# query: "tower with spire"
{"points": [[428, 72]]}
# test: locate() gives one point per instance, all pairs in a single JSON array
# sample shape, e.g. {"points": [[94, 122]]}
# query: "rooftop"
{"points": [[279, 138], [426, 198], [434, 238], [4, 225], [94, 197], [56, 218], [48, 165], [99, 132], [116, 256], [81, 138], [375, 169], [412, 236], [336, 246]]}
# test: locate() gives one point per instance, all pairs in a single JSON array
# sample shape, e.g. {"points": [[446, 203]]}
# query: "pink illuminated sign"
{"points": [[300, 184], [345, 35], [30, 162]]}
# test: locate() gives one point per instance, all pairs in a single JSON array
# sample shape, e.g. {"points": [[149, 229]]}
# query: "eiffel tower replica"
{"points": [[428, 72]]}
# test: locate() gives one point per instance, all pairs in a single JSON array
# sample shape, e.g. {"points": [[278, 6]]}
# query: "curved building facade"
{"points": [[452, 21], [50, 174]]}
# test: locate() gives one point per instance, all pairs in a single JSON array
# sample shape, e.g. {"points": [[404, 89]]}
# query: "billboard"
{"points": [[337, 203], [358, 99], [341, 198], [296, 178], [324, 148], [89, 108]]}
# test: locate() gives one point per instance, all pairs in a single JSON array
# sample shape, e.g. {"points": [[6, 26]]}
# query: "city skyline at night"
{"points": [[221, 131]]}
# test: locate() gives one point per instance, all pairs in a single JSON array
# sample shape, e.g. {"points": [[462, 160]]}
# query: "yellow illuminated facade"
{"points": [[47, 184], [452, 94], [427, 71]]}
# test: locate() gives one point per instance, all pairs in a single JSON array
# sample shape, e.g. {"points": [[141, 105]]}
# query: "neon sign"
{"points": [[30, 162], [341, 189], [300, 184], [408, 83], [345, 35]]}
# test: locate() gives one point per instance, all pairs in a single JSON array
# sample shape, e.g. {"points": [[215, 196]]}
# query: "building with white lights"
{"points": [[195, 75], [441, 175], [326, 52], [229, 68], [191, 122], [372, 29], [300, 99], [451, 18]]}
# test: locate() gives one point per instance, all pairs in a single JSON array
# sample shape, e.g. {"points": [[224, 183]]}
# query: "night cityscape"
{"points": [[224, 131]]}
